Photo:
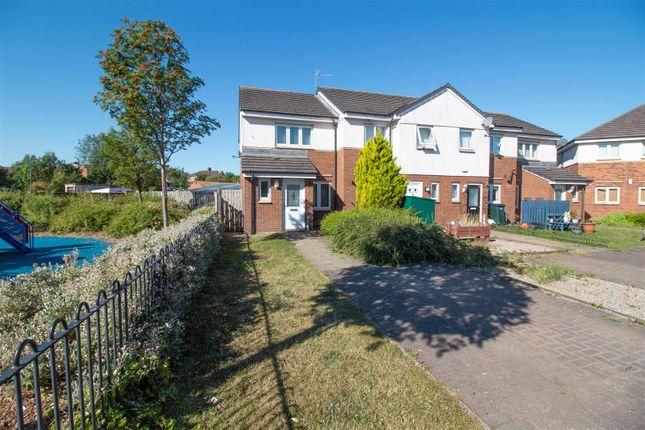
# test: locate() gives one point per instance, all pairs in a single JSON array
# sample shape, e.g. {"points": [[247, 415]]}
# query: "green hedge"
{"points": [[396, 236], [623, 219]]}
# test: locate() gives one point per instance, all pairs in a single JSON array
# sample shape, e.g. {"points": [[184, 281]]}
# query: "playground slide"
{"points": [[15, 230]]}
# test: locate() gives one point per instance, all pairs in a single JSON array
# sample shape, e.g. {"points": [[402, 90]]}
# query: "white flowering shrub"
{"points": [[29, 303]]}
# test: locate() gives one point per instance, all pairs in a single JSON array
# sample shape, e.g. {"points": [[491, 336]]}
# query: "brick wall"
{"points": [[445, 209], [612, 174], [504, 171], [347, 158]]}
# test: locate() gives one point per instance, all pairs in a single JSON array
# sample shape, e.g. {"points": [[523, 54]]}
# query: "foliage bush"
{"points": [[40, 209], [622, 219], [84, 215], [135, 217], [396, 236], [14, 200], [118, 216]]}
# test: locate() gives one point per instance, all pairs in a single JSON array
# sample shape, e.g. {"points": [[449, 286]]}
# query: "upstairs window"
{"points": [[608, 150], [527, 150], [424, 138], [321, 198], [495, 144], [465, 140], [289, 135], [371, 130]]}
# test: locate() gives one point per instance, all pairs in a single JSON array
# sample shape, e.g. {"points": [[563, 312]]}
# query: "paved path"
{"points": [[519, 358]]}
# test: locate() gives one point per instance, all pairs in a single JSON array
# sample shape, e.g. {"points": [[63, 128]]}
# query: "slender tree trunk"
{"points": [[139, 194], [164, 193]]}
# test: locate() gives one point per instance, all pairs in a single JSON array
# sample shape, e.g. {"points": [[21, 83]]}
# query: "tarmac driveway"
{"points": [[518, 358], [622, 266]]}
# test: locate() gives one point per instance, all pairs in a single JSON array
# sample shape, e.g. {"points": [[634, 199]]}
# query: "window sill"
{"points": [[468, 151], [322, 209], [455, 201], [607, 204], [608, 159], [264, 202]]}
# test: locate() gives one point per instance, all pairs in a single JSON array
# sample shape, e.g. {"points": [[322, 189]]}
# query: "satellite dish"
{"points": [[488, 122]]}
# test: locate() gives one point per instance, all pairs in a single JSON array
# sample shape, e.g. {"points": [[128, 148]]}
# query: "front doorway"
{"points": [[294, 205], [415, 189], [474, 199]]}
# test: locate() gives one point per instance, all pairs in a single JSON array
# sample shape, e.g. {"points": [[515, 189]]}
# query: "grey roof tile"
{"points": [[629, 124], [284, 102], [274, 164], [556, 174], [364, 102], [504, 120]]}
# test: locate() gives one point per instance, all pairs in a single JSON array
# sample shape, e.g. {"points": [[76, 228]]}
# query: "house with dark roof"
{"points": [[298, 152], [612, 157]]}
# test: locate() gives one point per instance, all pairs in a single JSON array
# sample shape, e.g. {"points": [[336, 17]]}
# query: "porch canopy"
{"points": [[560, 176], [277, 164]]}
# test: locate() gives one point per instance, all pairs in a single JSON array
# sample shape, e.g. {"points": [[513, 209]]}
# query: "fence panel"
{"points": [[233, 198], [537, 211], [65, 381]]}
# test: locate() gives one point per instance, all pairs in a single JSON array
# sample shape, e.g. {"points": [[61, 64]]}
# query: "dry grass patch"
{"points": [[272, 345]]}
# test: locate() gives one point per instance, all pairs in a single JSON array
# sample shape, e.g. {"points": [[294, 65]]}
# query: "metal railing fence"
{"points": [[65, 382]]}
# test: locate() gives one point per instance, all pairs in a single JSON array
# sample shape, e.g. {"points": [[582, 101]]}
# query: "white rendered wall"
{"points": [[260, 133], [446, 113]]}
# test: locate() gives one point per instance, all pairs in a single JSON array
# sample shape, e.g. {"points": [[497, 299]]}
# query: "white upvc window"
{"points": [[494, 193], [527, 150], [465, 140], [641, 195], [434, 191], [607, 195], [559, 193], [371, 130], [264, 193], [495, 144], [608, 151], [292, 135], [425, 140], [322, 196], [454, 192]]}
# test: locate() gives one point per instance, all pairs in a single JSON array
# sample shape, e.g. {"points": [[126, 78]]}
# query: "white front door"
{"points": [[294, 205], [415, 189]]}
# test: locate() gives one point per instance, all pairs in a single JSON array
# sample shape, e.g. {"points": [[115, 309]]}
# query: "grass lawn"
{"points": [[604, 236], [270, 344]]}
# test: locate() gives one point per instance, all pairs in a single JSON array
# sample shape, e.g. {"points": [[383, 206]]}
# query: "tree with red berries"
{"points": [[150, 92]]}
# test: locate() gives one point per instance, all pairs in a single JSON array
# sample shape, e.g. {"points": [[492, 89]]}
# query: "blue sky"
{"points": [[564, 65]]}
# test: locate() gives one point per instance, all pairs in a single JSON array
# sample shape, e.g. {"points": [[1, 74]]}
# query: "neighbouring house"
{"points": [[83, 188], [612, 157], [200, 184], [298, 152], [203, 174]]}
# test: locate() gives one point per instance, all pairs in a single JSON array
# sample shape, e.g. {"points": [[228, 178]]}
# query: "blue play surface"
{"points": [[48, 249]]}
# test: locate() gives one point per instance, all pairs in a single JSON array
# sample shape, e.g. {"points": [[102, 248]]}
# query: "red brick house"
{"points": [[612, 157], [298, 152]]}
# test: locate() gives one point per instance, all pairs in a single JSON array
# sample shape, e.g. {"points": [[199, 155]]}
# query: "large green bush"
{"points": [[622, 219], [396, 236], [135, 217], [84, 215], [14, 200], [40, 209]]}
